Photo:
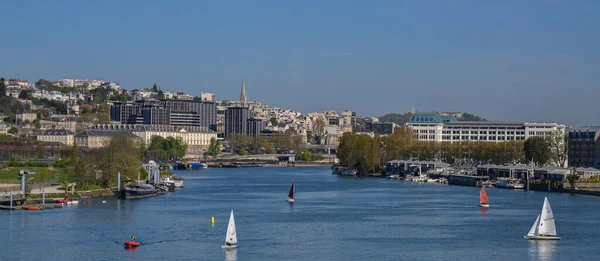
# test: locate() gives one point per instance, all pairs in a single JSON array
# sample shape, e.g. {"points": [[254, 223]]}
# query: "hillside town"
{"points": [[87, 113]]}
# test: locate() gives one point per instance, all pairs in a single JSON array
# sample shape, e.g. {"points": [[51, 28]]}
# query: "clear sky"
{"points": [[503, 60]]}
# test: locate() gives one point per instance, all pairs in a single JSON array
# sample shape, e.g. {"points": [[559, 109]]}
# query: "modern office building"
{"points": [[166, 112], [236, 120], [381, 128], [255, 126], [433, 127], [584, 147]]}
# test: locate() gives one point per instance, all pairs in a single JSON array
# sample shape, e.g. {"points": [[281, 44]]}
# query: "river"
{"points": [[334, 218]]}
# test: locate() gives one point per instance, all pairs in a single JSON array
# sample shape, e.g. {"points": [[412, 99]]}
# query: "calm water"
{"points": [[334, 218]]}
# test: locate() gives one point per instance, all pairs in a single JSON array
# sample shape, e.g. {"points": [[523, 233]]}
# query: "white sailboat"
{"points": [[231, 237], [544, 227]]}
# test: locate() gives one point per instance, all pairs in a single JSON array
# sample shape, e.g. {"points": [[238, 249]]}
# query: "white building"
{"points": [[61, 136], [433, 127], [205, 96]]}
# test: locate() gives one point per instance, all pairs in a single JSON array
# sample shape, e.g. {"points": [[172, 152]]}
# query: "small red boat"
{"points": [[31, 208], [62, 201], [132, 244]]}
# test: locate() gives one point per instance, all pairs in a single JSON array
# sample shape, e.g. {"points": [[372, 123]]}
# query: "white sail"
{"points": [[533, 229], [231, 233], [547, 226]]}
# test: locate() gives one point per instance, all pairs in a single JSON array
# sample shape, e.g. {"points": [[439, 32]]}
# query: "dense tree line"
{"points": [[287, 142], [360, 152], [403, 144]]}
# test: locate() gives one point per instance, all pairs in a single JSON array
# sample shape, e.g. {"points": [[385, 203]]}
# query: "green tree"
{"points": [[538, 149], [44, 84], [13, 130], [85, 171], [44, 174], [2, 89], [304, 155], [86, 111], [213, 149], [573, 177], [273, 121], [238, 142], [155, 88], [161, 95], [37, 124], [103, 114], [120, 155], [26, 122], [400, 145], [24, 95]]}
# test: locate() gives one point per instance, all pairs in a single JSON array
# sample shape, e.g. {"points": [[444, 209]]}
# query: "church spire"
{"points": [[243, 95]]}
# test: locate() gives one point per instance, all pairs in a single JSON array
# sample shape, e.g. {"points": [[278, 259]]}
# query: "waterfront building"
{"points": [[584, 147], [236, 121], [255, 126], [587, 173], [197, 138], [166, 112], [433, 127], [62, 136], [410, 167], [97, 138]]}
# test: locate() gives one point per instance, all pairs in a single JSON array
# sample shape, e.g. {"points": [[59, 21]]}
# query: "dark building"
{"points": [[255, 126], [155, 115], [584, 147], [333, 121], [166, 112], [381, 128], [126, 113], [236, 120]]}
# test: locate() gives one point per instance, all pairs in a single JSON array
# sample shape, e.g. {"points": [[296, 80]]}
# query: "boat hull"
{"points": [[541, 237], [228, 247], [130, 244], [484, 205], [135, 193], [291, 200]]}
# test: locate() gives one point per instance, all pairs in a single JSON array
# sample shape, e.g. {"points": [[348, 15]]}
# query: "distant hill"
{"points": [[401, 118], [398, 118], [470, 117]]}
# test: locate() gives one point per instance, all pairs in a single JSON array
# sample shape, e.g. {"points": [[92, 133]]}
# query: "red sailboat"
{"points": [[291, 194], [484, 202]]}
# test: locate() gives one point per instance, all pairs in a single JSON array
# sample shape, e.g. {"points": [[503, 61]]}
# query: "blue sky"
{"points": [[503, 60]]}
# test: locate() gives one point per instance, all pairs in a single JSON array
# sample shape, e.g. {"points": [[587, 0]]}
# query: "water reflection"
{"points": [[483, 211], [542, 249], [131, 250], [231, 254]]}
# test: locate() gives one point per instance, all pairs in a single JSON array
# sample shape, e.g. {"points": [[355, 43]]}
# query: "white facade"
{"points": [[482, 131], [208, 96], [62, 136]]}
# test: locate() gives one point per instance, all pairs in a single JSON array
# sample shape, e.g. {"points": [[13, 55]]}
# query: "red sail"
{"points": [[291, 195], [483, 198]]}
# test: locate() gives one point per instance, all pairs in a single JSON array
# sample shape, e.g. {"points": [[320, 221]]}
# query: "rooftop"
{"points": [[55, 132]]}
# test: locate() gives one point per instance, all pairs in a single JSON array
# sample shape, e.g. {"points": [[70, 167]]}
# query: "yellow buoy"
{"points": [[212, 221]]}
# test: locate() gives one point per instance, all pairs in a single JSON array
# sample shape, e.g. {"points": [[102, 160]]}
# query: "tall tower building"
{"points": [[243, 98]]}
